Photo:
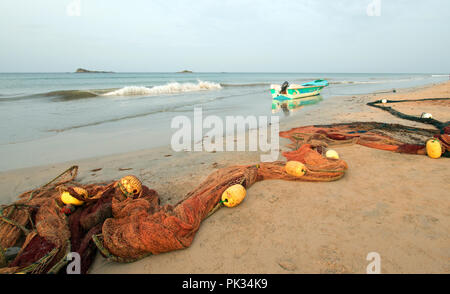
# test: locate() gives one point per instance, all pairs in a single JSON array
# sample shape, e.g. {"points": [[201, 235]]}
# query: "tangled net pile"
{"points": [[390, 137], [126, 228]]}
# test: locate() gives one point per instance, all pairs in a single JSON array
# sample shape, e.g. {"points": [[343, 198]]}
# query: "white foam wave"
{"points": [[169, 88]]}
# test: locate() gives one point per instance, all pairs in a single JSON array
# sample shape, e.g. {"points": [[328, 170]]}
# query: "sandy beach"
{"points": [[394, 204]]}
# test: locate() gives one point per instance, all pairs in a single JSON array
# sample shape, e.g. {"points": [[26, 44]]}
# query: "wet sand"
{"points": [[395, 204]]}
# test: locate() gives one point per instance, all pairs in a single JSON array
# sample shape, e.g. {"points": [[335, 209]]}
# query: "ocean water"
{"points": [[55, 117]]}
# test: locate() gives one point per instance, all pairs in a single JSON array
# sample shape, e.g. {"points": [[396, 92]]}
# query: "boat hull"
{"points": [[298, 91]]}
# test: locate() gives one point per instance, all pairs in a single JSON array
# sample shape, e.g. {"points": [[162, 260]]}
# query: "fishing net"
{"points": [[443, 127], [134, 233], [127, 228], [390, 137], [15, 218], [37, 223]]}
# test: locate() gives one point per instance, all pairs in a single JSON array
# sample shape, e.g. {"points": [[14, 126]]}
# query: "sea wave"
{"points": [[67, 95], [63, 95], [169, 88]]}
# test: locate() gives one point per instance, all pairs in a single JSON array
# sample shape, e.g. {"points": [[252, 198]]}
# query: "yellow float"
{"points": [[332, 154], [66, 198], [434, 148], [130, 186], [295, 168], [233, 195]]}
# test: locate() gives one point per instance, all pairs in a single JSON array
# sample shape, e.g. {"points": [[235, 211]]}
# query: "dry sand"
{"points": [[395, 204]]}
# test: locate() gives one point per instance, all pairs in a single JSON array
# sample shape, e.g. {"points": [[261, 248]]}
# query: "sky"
{"points": [[385, 36]]}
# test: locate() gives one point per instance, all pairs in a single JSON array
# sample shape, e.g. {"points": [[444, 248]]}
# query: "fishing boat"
{"points": [[294, 91]]}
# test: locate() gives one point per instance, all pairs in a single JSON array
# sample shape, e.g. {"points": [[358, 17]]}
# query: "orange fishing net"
{"points": [[38, 224], [390, 137], [128, 228], [144, 229]]}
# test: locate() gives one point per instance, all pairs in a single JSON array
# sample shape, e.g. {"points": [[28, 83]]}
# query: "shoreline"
{"points": [[64, 126], [390, 203]]}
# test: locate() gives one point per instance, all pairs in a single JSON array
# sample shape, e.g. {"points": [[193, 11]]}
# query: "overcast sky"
{"points": [[225, 35]]}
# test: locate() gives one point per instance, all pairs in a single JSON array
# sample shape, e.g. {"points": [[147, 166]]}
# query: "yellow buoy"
{"points": [[332, 154], [130, 186], [233, 195], [295, 168], [434, 148], [66, 198]]}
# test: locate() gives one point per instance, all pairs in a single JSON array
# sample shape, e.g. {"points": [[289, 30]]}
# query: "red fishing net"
{"points": [[130, 227], [46, 234], [390, 137], [134, 233]]}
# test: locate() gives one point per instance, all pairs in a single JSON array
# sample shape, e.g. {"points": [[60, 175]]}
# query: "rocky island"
{"points": [[82, 70], [185, 71]]}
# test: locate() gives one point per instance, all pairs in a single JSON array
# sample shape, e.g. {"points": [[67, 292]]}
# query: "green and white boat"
{"points": [[289, 92]]}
